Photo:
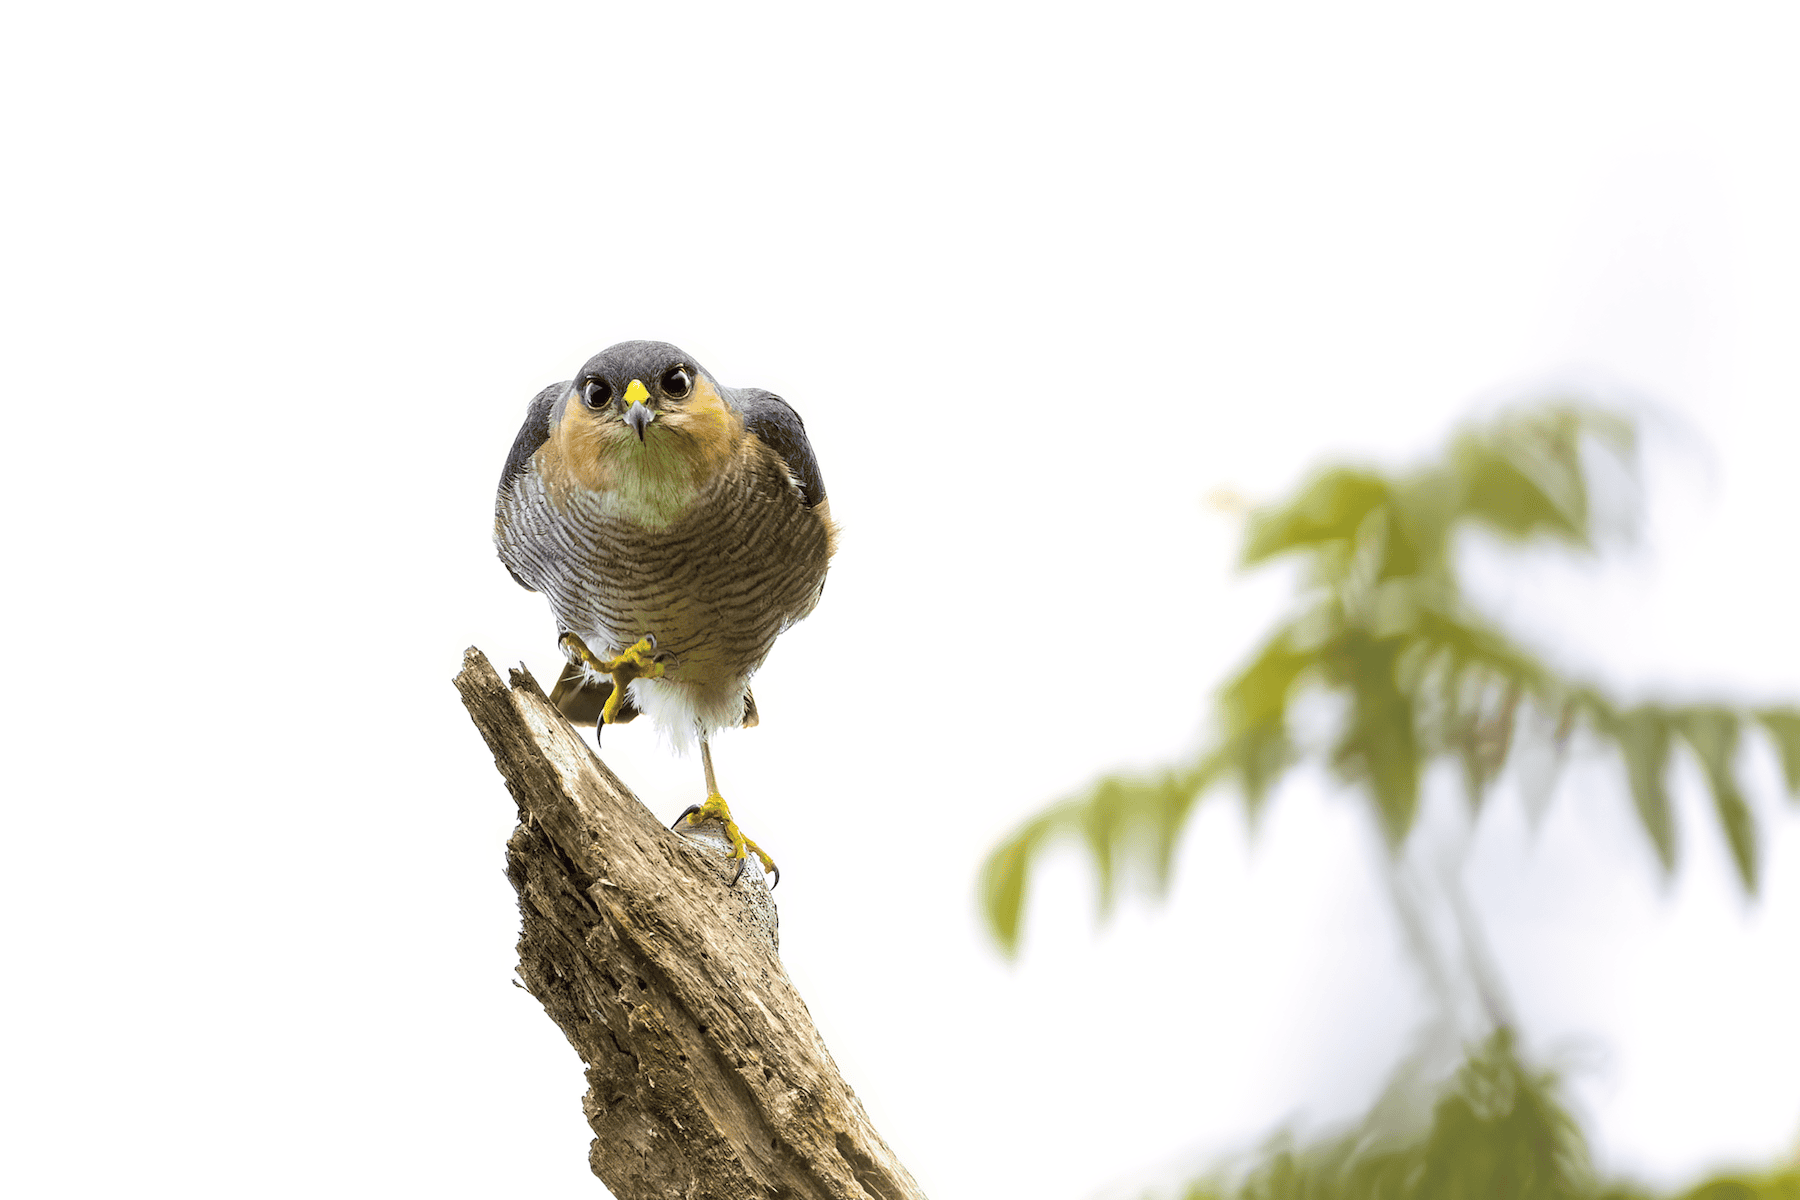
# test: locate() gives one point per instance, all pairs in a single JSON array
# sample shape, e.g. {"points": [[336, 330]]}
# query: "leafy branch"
{"points": [[1381, 627], [1498, 1129]]}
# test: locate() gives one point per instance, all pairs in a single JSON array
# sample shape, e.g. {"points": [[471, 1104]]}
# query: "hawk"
{"points": [[677, 528]]}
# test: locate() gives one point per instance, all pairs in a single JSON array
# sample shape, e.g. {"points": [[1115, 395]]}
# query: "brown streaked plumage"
{"points": [[658, 510]]}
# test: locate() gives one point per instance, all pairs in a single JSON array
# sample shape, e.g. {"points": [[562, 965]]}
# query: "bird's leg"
{"points": [[635, 663], [715, 809]]}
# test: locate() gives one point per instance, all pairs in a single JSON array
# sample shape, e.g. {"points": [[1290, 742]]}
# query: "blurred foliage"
{"points": [[1498, 1131], [1382, 628], [1410, 674]]}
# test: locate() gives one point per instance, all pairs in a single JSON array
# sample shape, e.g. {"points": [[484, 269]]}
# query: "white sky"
{"points": [[278, 283]]}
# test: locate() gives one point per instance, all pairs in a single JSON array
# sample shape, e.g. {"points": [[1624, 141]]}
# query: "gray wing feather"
{"points": [[534, 433], [781, 430]]}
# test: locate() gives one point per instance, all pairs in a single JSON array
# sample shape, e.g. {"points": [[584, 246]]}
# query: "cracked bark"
{"points": [[705, 1075]]}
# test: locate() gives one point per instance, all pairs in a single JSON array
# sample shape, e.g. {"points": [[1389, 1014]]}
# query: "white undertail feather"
{"points": [[680, 713]]}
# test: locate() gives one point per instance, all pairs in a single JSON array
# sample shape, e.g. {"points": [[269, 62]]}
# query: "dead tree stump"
{"points": [[705, 1075]]}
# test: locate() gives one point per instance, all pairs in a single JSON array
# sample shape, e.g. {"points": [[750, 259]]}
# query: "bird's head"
{"points": [[642, 415], [635, 391]]}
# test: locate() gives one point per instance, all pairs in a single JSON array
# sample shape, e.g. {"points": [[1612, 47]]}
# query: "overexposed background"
{"points": [[279, 280]]}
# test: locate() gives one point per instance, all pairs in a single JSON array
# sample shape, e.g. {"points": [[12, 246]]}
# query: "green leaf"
{"points": [[1130, 822], [1498, 1131], [1643, 737], [1783, 725], [1254, 706], [1329, 510], [1502, 1131], [1713, 733], [1475, 642], [1380, 746], [1103, 821], [1257, 697], [1169, 808], [1007, 871], [1507, 499], [1779, 1184], [1523, 476], [1423, 507], [1127, 824], [1257, 757]]}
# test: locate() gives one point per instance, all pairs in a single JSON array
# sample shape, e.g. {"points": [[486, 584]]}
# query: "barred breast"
{"points": [[715, 587]]}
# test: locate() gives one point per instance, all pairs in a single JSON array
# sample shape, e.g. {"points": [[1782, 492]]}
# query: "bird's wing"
{"points": [[780, 429], [534, 433]]}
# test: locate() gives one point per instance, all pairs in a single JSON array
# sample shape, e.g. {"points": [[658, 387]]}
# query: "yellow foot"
{"points": [[639, 662], [715, 809]]}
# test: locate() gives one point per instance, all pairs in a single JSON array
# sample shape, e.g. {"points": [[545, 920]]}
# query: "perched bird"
{"points": [[677, 528]]}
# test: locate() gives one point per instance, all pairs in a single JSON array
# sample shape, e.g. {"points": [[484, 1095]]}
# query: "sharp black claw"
{"points": [[776, 872], [737, 875], [692, 808]]}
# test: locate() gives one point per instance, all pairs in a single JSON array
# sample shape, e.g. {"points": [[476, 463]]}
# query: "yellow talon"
{"points": [[715, 809], [635, 663]]}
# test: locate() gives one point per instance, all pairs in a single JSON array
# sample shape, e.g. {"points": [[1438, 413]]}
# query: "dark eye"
{"points": [[596, 393], [676, 382]]}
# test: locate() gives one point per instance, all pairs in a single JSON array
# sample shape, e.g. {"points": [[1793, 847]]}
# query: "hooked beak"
{"points": [[638, 413]]}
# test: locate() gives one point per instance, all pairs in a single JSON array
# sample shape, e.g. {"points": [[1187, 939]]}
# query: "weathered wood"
{"points": [[705, 1075]]}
